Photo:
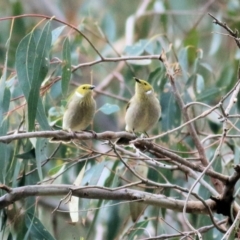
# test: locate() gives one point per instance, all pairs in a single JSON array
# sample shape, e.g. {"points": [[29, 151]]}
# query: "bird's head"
{"points": [[143, 87], [84, 90]]}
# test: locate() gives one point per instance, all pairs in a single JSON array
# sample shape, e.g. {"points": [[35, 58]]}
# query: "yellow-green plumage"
{"points": [[80, 109], [143, 110]]}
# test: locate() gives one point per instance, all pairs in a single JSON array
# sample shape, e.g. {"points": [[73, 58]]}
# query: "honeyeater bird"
{"points": [[80, 109], [143, 110]]}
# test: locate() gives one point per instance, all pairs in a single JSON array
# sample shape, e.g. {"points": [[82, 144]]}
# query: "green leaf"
{"points": [[108, 108], [92, 176], [199, 83], [113, 178], [96, 174], [158, 79], [171, 114], [41, 153], [216, 40], [138, 230], [56, 33], [138, 48], [183, 61], [56, 169], [16, 172], [36, 228], [41, 116], [211, 92], [4, 104], [40, 69], [6, 153], [32, 66], [207, 66], [6, 157], [236, 150], [25, 56], [27, 155], [55, 112], [66, 67], [114, 221], [191, 41], [109, 27], [226, 76]]}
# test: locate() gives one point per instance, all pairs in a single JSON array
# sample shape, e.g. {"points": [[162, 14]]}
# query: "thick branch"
{"points": [[181, 104], [191, 128], [100, 193], [174, 157], [108, 135], [67, 136], [224, 202]]}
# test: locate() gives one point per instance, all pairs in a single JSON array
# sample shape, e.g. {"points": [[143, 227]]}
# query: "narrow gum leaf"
{"points": [[66, 67], [32, 66], [74, 202]]}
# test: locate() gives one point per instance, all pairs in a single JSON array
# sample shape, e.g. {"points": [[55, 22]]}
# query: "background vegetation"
{"points": [[47, 48]]}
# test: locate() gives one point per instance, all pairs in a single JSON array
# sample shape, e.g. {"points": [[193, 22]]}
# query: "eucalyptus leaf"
{"points": [[74, 201], [215, 44], [6, 157], [171, 114], [36, 228], [183, 61], [41, 154], [207, 66], [66, 66], [6, 152], [32, 66], [138, 48], [56, 169], [92, 175], [199, 83], [27, 155], [138, 230], [4, 104], [56, 33], [41, 116], [209, 92], [108, 108], [109, 27]]}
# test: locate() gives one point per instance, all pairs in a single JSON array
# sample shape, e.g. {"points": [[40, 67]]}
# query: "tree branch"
{"points": [[152, 148], [94, 192], [232, 33], [67, 136]]}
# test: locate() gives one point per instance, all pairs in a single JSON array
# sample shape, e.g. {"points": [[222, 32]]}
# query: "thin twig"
{"points": [[234, 34]]}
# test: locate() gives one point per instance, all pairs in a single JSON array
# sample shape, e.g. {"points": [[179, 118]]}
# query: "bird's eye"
{"points": [[145, 84], [83, 87]]}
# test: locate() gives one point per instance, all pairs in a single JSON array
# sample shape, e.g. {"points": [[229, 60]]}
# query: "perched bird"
{"points": [[143, 110], [80, 109]]}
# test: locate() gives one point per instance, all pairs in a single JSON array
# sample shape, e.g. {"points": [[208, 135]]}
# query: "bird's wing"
{"points": [[68, 100], [128, 105]]}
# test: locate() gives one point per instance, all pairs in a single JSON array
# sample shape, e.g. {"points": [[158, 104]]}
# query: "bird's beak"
{"points": [[137, 79], [92, 87]]}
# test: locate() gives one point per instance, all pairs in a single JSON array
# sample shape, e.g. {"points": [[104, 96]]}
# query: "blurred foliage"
{"points": [[36, 59]]}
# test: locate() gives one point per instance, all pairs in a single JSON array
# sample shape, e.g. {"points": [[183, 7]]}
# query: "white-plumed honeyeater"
{"points": [[143, 110], [80, 109]]}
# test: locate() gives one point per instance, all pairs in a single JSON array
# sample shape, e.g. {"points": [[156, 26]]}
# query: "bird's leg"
{"points": [[73, 133], [92, 132], [146, 134]]}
